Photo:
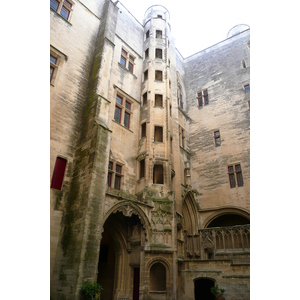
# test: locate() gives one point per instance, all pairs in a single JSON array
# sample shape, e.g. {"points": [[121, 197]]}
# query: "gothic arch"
{"points": [[190, 214], [128, 208], [226, 211]]}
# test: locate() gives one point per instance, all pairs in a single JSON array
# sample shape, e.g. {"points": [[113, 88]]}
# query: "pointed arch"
{"points": [[190, 214]]}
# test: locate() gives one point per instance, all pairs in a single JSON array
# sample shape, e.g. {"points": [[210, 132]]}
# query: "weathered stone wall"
{"points": [[219, 69]]}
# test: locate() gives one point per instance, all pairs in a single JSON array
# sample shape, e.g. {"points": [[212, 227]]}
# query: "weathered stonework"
{"points": [[170, 223]]}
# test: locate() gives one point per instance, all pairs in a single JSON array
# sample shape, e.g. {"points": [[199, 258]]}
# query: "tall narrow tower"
{"points": [[155, 146]]}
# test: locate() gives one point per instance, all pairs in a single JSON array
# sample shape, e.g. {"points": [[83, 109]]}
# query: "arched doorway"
{"points": [[202, 288], [119, 258]]}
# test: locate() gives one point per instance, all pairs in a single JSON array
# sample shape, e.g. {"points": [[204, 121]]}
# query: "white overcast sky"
{"points": [[196, 24]]}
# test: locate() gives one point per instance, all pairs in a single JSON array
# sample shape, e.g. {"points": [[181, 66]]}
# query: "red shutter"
{"points": [[58, 173]]}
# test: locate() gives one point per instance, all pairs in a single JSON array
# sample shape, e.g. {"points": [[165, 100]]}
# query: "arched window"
{"points": [[158, 277]]}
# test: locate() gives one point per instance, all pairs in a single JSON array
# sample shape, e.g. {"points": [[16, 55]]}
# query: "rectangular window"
{"points": [[158, 134], [247, 87], [54, 4], [158, 34], [158, 100], [118, 177], [147, 34], [146, 53], [131, 63], [202, 97], [53, 67], [158, 174], [58, 173], [118, 113], [158, 53], [127, 120], [158, 75], [122, 112], [142, 168], [146, 75], [144, 128], [145, 99], [235, 176], [217, 138], [127, 60]]}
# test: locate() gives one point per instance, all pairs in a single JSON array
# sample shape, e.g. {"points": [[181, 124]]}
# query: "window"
{"points": [[58, 173], [114, 176], [54, 62], [247, 87], [127, 60], [179, 95], [181, 137], [159, 16], [158, 34], [146, 75], [62, 7], [146, 53], [243, 64], [158, 277], [118, 177], [235, 176], [158, 75], [217, 138], [144, 128], [142, 168], [158, 53], [158, 100], [158, 134], [122, 111], [158, 174], [202, 97], [147, 34], [145, 99]]}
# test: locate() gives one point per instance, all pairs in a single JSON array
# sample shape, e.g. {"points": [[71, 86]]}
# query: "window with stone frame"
{"points": [[158, 100], [123, 111], [247, 87], [158, 134], [143, 130], [147, 53], [158, 53], [55, 60], [127, 60], [146, 75], [158, 75], [145, 99], [63, 8], [235, 176], [217, 138], [142, 168], [158, 174], [182, 137], [158, 34], [202, 97], [147, 34], [114, 176], [179, 95]]}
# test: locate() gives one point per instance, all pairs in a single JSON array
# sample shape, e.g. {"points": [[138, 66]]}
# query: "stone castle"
{"points": [[149, 158]]}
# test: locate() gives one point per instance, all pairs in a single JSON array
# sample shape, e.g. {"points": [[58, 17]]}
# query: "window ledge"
{"points": [[122, 126], [125, 69], [61, 16]]}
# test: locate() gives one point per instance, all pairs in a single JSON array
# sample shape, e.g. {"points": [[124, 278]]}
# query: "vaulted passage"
{"points": [[119, 258], [202, 289], [229, 220]]}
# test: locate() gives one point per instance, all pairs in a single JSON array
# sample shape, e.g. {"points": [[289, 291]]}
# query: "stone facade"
{"points": [[150, 157]]}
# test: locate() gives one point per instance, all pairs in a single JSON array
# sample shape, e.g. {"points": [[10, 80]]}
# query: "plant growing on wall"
{"points": [[91, 291], [217, 292]]}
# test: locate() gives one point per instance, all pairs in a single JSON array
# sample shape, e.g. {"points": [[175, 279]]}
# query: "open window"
{"points": [[158, 174]]}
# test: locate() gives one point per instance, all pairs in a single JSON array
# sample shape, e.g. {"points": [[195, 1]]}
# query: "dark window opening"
{"points": [[158, 75], [158, 53], [235, 176], [144, 130], [147, 53], [158, 34], [127, 120], [117, 116], [58, 173], [142, 168], [217, 138], [158, 134], [158, 100], [243, 64], [147, 34], [158, 174], [202, 98], [146, 75], [158, 277], [247, 87], [145, 99]]}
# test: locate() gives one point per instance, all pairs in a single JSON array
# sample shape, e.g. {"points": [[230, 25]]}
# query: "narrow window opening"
{"points": [[146, 75], [144, 128], [217, 138], [158, 53], [142, 168], [243, 64], [146, 53], [158, 100], [145, 99], [158, 34], [158, 134], [247, 87], [147, 34], [158, 75], [158, 175]]}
